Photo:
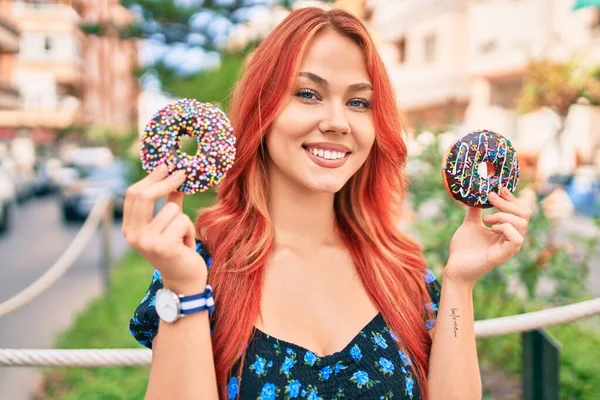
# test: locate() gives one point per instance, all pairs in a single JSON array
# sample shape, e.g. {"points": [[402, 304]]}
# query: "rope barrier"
{"points": [[64, 262], [76, 358], [142, 357], [537, 319], [139, 357]]}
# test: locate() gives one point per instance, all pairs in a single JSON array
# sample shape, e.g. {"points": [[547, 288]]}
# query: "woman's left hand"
{"points": [[476, 249]]}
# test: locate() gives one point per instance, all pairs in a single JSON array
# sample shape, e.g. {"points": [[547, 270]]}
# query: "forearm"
{"points": [[453, 364], [182, 361]]}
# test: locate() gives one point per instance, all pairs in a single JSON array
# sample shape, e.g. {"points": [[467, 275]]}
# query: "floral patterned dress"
{"points": [[369, 367]]}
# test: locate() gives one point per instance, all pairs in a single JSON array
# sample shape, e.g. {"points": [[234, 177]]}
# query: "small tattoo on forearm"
{"points": [[455, 317]]}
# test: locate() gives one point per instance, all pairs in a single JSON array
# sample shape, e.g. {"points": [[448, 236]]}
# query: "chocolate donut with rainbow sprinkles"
{"points": [[478, 163], [213, 133]]}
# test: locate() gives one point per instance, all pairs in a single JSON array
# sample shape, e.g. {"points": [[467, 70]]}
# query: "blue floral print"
{"points": [[408, 382], [292, 390], [310, 358], [325, 373], [232, 388], [404, 358], [362, 379], [269, 392], [355, 352], [288, 363], [260, 366], [385, 366], [372, 366], [379, 340]]}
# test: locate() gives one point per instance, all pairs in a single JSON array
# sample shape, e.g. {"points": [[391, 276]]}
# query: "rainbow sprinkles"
{"points": [[213, 132], [478, 163]]}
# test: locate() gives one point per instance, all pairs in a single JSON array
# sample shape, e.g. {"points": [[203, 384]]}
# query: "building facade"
{"points": [[9, 47], [464, 62], [67, 78], [110, 87]]}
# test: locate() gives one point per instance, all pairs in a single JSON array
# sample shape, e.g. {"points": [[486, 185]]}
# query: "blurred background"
{"points": [[79, 79]]}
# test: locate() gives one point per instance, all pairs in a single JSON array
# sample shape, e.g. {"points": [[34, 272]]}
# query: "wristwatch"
{"points": [[170, 306]]}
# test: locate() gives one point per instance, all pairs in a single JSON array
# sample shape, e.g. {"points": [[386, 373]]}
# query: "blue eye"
{"points": [[306, 94], [360, 103]]}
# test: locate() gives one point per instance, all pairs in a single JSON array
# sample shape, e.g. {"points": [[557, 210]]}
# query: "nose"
{"points": [[335, 120]]}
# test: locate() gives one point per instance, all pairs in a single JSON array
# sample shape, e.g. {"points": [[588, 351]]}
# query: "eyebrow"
{"points": [[355, 87]]}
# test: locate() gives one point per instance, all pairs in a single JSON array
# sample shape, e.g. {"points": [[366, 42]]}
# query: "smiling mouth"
{"points": [[319, 156], [329, 155]]}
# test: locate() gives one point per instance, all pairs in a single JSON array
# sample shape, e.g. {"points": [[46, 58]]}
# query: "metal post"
{"points": [[107, 225], [541, 363]]}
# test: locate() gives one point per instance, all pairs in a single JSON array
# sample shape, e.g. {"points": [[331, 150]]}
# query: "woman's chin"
{"points": [[326, 185]]}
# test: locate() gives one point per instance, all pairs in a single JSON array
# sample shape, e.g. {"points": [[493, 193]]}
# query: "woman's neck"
{"points": [[301, 216]]}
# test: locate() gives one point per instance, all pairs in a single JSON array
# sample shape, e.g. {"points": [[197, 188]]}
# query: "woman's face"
{"points": [[324, 132]]}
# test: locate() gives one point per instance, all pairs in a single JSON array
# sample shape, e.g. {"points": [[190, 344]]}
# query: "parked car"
{"points": [[78, 198], [22, 179], [7, 201], [47, 176], [584, 191], [556, 181]]}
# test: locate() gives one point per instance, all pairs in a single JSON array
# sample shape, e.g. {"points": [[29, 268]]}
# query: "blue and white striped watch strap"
{"points": [[198, 302]]}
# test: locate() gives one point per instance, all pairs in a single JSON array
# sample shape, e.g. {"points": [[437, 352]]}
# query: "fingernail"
{"points": [[493, 195], [505, 191], [178, 174], [161, 169]]}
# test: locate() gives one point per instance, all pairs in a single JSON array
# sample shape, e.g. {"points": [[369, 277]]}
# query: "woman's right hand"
{"points": [[167, 240]]}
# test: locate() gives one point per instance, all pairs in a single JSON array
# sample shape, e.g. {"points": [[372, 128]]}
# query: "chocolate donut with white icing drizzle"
{"points": [[478, 163]]}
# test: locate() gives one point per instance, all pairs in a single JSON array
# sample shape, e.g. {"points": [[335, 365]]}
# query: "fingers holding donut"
{"points": [[140, 199], [507, 203]]}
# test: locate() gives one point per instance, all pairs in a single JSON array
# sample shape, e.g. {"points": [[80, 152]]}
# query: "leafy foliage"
{"points": [[539, 258], [551, 85]]}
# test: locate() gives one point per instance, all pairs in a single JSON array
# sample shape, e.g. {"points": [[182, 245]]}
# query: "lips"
{"points": [[327, 146], [327, 163]]}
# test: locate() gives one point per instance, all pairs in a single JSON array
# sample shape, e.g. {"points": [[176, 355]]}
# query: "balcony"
{"points": [[63, 114], [9, 97], [9, 36], [392, 19], [66, 72], [416, 89], [53, 17], [506, 63]]}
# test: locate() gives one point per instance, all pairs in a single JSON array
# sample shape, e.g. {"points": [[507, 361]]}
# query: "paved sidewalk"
{"points": [[27, 251]]}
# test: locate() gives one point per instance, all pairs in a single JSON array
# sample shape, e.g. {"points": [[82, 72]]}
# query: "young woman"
{"points": [[318, 295]]}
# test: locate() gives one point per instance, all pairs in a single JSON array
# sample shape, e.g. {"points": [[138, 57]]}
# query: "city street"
{"points": [[37, 238]]}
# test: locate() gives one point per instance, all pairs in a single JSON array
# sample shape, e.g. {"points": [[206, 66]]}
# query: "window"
{"points": [[595, 23], [488, 46], [32, 46], [368, 15], [401, 47], [430, 47]]}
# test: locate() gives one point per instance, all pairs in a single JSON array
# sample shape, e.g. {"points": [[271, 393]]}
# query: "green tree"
{"points": [[557, 87], [553, 86]]}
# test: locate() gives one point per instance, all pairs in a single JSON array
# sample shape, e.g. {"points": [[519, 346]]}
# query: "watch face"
{"points": [[167, 305]]}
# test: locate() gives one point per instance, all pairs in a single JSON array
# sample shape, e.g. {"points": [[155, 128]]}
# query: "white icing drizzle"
{"points": [[465, 150]]}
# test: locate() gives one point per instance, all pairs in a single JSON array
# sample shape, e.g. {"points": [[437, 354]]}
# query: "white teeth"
{"points": [[327, 154]]}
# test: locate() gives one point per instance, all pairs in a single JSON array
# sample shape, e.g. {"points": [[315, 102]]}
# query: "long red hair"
{"points": [[238, 231]]}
